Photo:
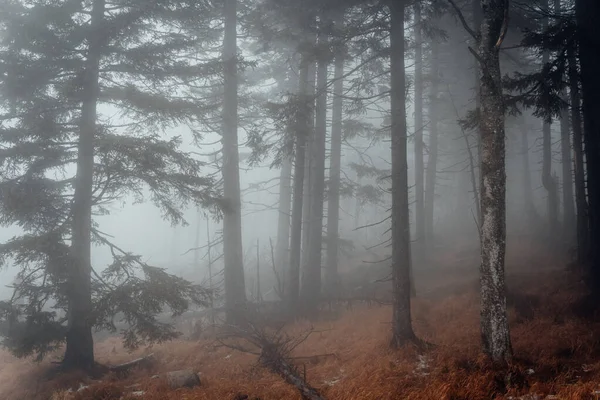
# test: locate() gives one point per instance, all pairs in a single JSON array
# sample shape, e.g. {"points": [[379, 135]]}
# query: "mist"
{"points": [[235, 178]]}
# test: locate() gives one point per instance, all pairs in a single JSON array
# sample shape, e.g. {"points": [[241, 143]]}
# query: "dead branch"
{"points": [[145, 362], [274, 348], [463, 20]]}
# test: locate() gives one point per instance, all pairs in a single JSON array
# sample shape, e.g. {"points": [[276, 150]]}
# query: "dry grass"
{"points": [[561, 350]]}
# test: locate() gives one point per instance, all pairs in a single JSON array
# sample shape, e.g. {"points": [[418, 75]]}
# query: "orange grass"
{"points": [[562, 351]]}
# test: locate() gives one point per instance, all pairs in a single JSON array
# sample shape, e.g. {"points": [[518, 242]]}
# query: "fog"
{"points": [[241, 169], [140, 228]]}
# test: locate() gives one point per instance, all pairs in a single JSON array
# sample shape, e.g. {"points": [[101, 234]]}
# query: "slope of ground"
{"points": [[557, 354]]}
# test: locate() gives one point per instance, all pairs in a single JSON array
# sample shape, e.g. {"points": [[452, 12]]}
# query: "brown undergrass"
{"points": [[556, 354]]}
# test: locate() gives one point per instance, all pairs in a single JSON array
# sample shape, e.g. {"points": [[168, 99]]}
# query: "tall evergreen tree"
{"points": [[333, 196], [587, 13], [402, 330], [63, 160], [233, 256], [418, 136]]}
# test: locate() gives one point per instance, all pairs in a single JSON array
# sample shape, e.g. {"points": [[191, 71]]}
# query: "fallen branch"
{"points": [[273, 349], [276, 363], [145, 361]]}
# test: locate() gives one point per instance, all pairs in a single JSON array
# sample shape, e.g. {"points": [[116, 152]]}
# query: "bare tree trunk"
{"points": [[477, 19], [419, 166], [79, 352], [567, 177], [472, 172], [308, 167], [580, 195], [494, 322], [433, 146], [282, 255], [302, 128], [548, 180], [333, 205], [588, 15], [402, 330], [311, 277], [530, 211], [235, 292], [569, 218]]}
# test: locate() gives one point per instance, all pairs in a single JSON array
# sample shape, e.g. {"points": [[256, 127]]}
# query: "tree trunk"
{"points": [[583, 246], [282, 256], [235, 292], [308, 168], [477, 19], [569, 218], [302, 128], [433, 146], [588, 15], [402, 330], [419, 166], [548, 180], [79, 352], [333, 204], [529, 209], [311, 277], [494, 322]]}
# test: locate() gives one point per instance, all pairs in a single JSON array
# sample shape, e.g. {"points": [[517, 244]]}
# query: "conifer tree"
{"points": [[65, 69]]}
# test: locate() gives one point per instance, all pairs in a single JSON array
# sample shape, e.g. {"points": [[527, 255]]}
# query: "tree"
{"points": [[527, 187], [432, 160], [311, 283], [548, 180], [333, 196], [233, 257], [282, 256], [583, 246], [494, 320], [301, 132], [80, 345], [53, 79], [402, 331], [569, 219], [419, 167], [587, 13]]}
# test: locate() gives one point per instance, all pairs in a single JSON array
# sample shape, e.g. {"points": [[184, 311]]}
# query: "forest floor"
{"points": [[557, 353]]}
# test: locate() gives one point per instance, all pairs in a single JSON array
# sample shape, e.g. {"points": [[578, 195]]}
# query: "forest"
{"points": [[299, 199]]}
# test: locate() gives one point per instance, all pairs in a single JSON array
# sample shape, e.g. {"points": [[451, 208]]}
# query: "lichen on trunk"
{"points": [[494, 321]]}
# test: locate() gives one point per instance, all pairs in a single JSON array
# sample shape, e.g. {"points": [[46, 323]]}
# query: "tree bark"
{"points": [[583, 245], [333, 205], [302, 128], [282, 252], [419, 166], [494, 322], [587, 15], [402, 330], [308, 168], [530, 211], [235, 292], [311, 277], [433, 146], [569, 218], [548, 180], [79, 352]]}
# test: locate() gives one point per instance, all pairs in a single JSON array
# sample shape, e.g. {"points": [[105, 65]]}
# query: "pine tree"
{"points": [[587, 13], [402, 331], [63, 160]]}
